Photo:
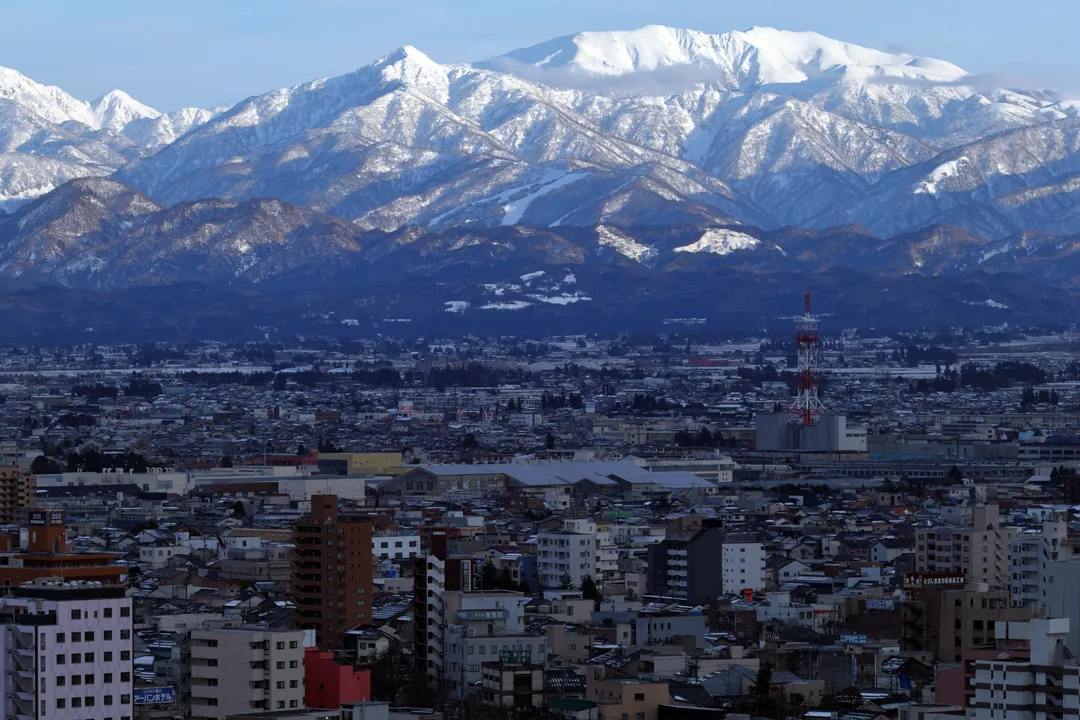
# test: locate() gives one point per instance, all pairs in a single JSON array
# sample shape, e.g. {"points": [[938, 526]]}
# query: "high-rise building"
{"points": [[979, 552], [331, 575], [242, 670], [17, 494], [436, 573], [567, 555], [66, 651]]}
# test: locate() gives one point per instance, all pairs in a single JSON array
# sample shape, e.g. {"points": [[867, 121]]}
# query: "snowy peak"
{"points": [[738, 60], [51, 103], [115, 109]]}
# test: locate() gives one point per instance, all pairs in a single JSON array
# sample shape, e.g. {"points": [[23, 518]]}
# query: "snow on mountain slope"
{"points": [[720, 242]]}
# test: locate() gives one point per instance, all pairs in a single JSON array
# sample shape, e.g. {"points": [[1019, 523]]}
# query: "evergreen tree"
{"points": [[489, 575], [589, 591]]}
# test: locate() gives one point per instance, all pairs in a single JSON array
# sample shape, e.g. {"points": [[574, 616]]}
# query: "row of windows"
{"points": [[76, 658], [107, 612], [88, 636], [88, 679], [88, 701]]}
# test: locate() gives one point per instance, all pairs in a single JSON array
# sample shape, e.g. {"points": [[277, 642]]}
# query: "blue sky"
{"points": [[174, 53]]}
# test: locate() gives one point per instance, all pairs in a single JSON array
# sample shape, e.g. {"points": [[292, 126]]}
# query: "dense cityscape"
{"points": [[840, 524]]}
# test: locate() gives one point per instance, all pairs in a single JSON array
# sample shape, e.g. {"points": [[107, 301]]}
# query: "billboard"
{"points": [[928, 580], [146, 696], [852, 639]]}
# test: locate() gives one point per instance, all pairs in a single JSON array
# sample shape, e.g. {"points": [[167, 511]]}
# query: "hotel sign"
{"points": [[46, 517], [920, 580]]}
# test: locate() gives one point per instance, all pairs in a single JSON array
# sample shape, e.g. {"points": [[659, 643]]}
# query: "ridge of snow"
{"points": [[759, 56], [115, 109], [624, 244]]}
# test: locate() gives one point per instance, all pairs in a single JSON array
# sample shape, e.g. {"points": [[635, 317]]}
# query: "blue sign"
{"points": [[852, 639], [146, 696]]}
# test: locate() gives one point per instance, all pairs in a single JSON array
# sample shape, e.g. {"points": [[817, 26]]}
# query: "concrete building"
{"points": [[508, 683], [332, 572], [1061, 587], [66, 651], [625, 698], [484, 626], [17, 494], [567, 554], [396, 546], [242, 670], [743, 563], [979, 552], [374, 463], [439, 576], [1043, 686], [45, 555], [331, 684], [831, 434], [1029, 554]]}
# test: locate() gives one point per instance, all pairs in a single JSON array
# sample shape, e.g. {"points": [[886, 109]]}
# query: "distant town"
{"points": [[831, 524]]}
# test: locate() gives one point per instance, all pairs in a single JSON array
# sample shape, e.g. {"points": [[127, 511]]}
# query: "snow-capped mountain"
{"points": [[48, 137], [762, 128]]}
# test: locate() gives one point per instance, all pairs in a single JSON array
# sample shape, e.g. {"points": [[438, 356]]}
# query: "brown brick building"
{"points": [[331, 572], [17, 494]]}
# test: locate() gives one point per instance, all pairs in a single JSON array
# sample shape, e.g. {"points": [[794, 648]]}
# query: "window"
{"points": [[281, 646], [107, 678], [76, 615], [292, 644], [280, 684], [61, 680], [292, 664], [88, 679], [125, 699], [60, 637], [76, 679], [107, 700], [108, 635], [108, 656], [125, 634], [88, 657], [125, 612], [293, 703], [76, 702], [88, 636], [61, 703], [76, 658], [125, 655], [124, 678], [639, 697], [281, 704], [280, 664], [89, 701], [294, 683], [108, 612]]}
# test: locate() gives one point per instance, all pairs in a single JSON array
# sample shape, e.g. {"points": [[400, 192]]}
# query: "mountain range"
{"points": [[639, 155]]}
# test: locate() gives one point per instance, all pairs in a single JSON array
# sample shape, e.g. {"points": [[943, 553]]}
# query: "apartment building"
{"points": [[332, 574], [396, 546], [1029, 553], [437, 579], [980, 552], [66, 651], [567, 555], [242, 670], [17, 494], [743, 563], [1045, 685]]}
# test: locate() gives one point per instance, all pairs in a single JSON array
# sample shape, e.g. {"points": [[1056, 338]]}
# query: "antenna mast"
{"points": [[806, 407]]}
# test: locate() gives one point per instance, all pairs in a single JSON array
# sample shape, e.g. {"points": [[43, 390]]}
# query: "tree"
{"points": [[238, 510], [226, 461], [589, 591], [761, 691], [489, 575], [523, 587], [549, 442], [566, 582], [505, 580], [956, 475], [302, 451], [280, 382], [44, 466], [469, 442]]}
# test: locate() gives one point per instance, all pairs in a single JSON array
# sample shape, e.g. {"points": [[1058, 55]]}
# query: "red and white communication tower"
{"points": [[806, 406]]}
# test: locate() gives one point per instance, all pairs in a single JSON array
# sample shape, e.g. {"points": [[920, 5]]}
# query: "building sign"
{"points": [[47, 517], [516, 656], [919, 580], [499, 614], [880, 605], [852, 639], [148, 696]]}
